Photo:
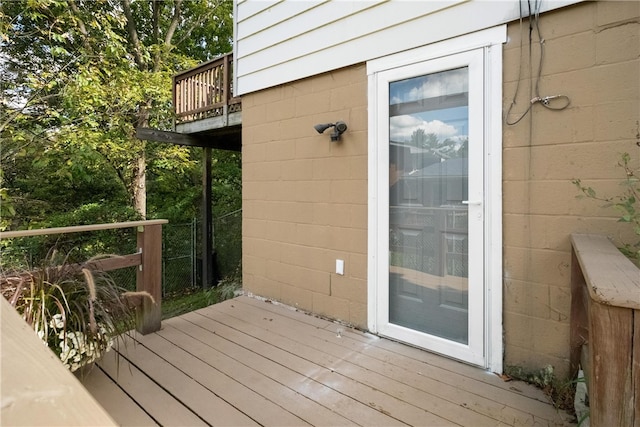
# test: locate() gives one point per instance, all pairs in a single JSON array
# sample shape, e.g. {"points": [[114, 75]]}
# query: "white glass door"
{"points": [[430, 122]]}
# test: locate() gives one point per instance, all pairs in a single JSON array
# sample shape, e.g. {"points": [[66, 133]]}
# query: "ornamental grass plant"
{"points": [[77, 311]]}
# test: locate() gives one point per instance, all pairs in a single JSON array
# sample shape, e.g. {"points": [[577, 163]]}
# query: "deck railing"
{"points": [[205, 91], [148, 259], [605, 329]]}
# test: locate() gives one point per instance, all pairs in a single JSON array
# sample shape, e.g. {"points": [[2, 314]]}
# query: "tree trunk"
{"points": [[140, 184]]}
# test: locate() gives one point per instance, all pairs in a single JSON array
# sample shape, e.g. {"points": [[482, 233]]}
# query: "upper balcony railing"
{"points": [[205, 91]]}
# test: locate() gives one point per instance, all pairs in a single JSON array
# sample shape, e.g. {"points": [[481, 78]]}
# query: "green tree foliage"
{"points": [[78, 77]]}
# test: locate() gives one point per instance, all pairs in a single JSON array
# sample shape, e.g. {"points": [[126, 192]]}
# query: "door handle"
{"points": [[471, 202]]}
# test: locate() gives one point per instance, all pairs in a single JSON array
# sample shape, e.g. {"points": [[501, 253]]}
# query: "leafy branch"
{"points": [[627, 203]]}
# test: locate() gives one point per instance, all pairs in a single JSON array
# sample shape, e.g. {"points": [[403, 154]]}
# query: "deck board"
{"points": [[114, 400], [250, 362], [290, 369]]}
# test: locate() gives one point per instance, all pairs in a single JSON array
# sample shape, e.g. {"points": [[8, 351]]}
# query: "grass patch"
{"points": [[561, 392], [192, 299]]}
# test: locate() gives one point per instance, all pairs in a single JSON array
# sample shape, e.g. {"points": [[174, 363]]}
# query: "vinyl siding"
{"points": [[281, 41]]}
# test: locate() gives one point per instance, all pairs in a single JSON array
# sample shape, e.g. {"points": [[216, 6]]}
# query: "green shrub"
{"points": [[78, 312], [627, 204]]}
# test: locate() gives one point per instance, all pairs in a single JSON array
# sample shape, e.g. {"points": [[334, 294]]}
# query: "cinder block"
{"points": [[279, 150], [332, 168], [622, 82], [533, 361], [614, 11], [330, 306], [265, 249], [297, 297], [314, 103], [349, 191], [344, 287], [251, 112], [316, 146], [255, 228], [262, 286], [537, 266], [254, 265], [283, 231], [358, 315], [552, 232], [291, 211], [267, 96], [313, 191], [282, 191], [279, 110], [251, 152], [560, 303], [527, 298], [349, 96], [297, 170], [573, 52], [349, 240], [518, 330], [358, 119], [567, 21], [307, 257], [263, 171], [263, 132], [313, 235], [619, 43], [358, 266], [551, 338], [552, 197], [616, 121], [314, 280]]}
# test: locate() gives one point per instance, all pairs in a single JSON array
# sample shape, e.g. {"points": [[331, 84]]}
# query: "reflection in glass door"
{"points": [[428, 220], [430, 124]]}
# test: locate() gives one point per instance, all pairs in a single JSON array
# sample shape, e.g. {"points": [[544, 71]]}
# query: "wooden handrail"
{"points": [[79, 228], [605, 329], [148, 259]]}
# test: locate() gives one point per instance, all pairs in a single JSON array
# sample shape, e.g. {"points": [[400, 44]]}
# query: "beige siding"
{"points": [[305, 198]]}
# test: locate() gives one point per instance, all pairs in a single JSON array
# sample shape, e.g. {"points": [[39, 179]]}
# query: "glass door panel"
{"points": [[428, 221], [430, 127]]}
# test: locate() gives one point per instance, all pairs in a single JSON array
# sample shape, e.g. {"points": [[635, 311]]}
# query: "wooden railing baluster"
{"points": [[205, 91]]}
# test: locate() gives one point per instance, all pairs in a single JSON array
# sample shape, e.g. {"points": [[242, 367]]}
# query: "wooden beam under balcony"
{"points": [[227, 139]]}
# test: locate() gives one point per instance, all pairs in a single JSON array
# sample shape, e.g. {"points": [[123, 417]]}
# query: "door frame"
{"points": [[490, 41]]}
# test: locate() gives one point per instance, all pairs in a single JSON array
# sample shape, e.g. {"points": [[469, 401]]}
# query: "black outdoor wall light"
{"points": [[338, 129]]}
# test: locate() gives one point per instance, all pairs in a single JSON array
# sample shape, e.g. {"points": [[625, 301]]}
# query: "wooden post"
{"points": [[207, 231], [579, 333], [149, 277], [635, 366], [605, 312], [611, 396]]}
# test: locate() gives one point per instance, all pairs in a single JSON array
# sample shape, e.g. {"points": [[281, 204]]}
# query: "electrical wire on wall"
{"points": [[551, 102]]}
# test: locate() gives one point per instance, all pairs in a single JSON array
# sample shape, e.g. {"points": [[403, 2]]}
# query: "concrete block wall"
{"points": [[305, 197], [592, 54]]}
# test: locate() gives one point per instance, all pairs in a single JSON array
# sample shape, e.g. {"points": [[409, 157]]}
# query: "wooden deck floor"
{"points": [[250, 362]]}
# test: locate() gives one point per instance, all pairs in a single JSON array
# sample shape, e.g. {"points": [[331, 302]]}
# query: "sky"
{"points": [[446, 123]]}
